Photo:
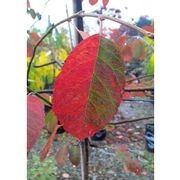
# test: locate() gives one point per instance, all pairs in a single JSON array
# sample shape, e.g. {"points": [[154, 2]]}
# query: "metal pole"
{"points": [[77, 6]]}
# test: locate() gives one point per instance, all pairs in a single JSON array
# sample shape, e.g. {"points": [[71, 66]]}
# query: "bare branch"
{"points": [[139, 89], [82, 14], [47, 64], [140, 30], [132, 120], [141, 77], [44, 91], [30, 91], [143, 100]]}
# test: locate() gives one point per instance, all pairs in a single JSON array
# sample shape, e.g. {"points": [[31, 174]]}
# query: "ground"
{"points": [[103, 162]]}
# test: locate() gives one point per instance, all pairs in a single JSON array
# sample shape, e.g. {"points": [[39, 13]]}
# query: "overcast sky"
{"points": [[56, 9]]}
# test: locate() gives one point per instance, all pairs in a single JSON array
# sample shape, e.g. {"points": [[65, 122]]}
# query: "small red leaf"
{"points": [[134, 166], [105, 2], [127, 53], [35, 120], [61, 155], [46, 148], [34, 38], [122, 40], [93, 2], [149, 28], [29, 50]]}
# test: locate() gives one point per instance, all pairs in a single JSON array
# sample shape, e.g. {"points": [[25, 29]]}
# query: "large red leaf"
{"points": [[87, 93], [35, 120]]}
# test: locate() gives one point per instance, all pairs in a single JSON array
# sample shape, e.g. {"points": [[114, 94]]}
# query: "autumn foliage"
{"points": [[91, 82]]}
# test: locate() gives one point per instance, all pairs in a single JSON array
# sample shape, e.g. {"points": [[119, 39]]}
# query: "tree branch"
{"points": [[140, 30], [139, 89], [39, 96], [132, 120], [82, 14], [50, 91], [143, 100], [47, 64], [141, 77]]}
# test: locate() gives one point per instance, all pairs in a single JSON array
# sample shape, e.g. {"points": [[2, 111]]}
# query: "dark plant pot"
{"points": [[99, 136], [149, 137], [60, 130]]}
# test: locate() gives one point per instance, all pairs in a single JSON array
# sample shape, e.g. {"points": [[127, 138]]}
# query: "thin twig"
{"points": [[139, 89], [143, 100], [82, 14], [39, 96], [50, 91], [132, 120], [47, 64], [141, 77]]}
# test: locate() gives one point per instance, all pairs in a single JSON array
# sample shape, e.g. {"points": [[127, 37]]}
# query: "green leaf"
{"points": [[150, 66], [51, 121], [74, 155], [32, 12], [61, 155], [149, 41]]}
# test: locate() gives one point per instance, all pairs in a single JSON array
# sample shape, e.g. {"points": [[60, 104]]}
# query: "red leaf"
{"points": [[87, 93], [35, 120], [122, 40], [134, 166], [46, 148], [105, 2], [149, 28], [29, 50], [61, 155], [34, 38], [127, 53], [93, 2]]}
